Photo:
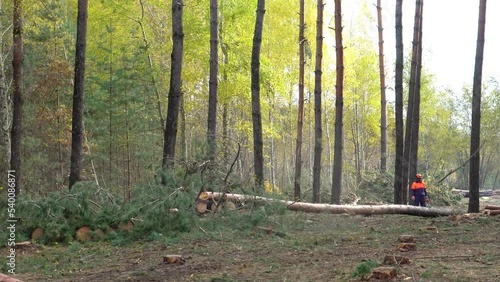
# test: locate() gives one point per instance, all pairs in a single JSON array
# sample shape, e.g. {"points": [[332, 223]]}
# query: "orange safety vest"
{"points": [[418, 185]]}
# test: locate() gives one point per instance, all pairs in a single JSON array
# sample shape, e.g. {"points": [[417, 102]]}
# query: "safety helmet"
{"points": [[419, 176]]}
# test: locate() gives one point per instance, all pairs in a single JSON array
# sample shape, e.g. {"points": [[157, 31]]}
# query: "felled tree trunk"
{"points": [[340, 209]]}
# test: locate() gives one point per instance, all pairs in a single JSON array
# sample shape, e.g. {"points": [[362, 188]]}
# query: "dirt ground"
{"points": [[290, 247]]}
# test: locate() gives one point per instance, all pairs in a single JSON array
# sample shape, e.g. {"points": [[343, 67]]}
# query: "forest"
{"points": [[116, 112], [127, 86]]}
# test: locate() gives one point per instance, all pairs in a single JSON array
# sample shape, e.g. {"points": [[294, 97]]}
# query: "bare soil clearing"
{"points": [[291, 247]]}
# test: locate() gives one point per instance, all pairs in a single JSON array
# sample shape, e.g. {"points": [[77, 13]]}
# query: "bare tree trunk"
{"points": [[339, 209], [300, 118], [110, 107], [213, 80], [475, 135], [339, 107], [410, 115], [175, 91], [183, 144], [150, 62], [129, 160], [414, 139], [78, 94], [398, 165], [5, 107], [59, 146], [225, 114], [256, 112], [383, 101], [18, 99], [318, 130]]}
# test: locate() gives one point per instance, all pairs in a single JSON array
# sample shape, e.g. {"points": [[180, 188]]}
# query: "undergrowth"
{"points": [[157, 212]]}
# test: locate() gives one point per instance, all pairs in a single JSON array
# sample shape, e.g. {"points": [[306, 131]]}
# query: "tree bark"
{"points": [[213, 80], [339, 107], [398, 162], [409, 143], [383, 101], [18, 99], [255, 87], [151, 66], [318, 130], [5, 108], [475, 138], [414, 139], [78, 94], [340, 209], [175, 91], [300, 118]]}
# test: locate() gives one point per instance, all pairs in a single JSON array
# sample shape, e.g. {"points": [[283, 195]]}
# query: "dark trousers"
{"points": [[419, 200]]}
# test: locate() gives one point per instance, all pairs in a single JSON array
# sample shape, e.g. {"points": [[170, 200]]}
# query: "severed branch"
{"points": [[466, 162]]}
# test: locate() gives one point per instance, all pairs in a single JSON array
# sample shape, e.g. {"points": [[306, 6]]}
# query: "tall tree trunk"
{"points": [[151, 66], [78, 94], [300, 118], [213, 80], [383, 101], [339, 107], [18, 99], [183, 138], [475, 135], [110, 107], [5, 108], [256, 112], [398, 164], [175, 91], [410, 115], [416, 107], [318, 130], [225, 114]]}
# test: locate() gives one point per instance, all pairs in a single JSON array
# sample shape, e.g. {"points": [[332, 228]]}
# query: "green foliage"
{"points": [[442, 195], [376, 187], [365, 268], [60, 214]]}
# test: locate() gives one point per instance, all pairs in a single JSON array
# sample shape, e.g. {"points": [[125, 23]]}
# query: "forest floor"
{"points": [[293, 246]]}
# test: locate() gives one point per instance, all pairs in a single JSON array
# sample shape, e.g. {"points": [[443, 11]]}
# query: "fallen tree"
{"points": [[340, 209]]}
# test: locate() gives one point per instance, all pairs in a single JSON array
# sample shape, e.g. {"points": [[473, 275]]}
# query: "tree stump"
{"points": [[174, 259], [395, 260], [407, 247], [406, 239], [384, 273]]}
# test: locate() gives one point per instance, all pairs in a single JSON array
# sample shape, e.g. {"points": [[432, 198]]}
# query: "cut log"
{"points": [[83, 234], [342, 209], [491, 207], [5, 278], [37, 234], [493, 212], [201, 206]]}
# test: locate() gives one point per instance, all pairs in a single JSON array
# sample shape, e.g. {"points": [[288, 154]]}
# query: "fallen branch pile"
{"points": [[340, 209]]}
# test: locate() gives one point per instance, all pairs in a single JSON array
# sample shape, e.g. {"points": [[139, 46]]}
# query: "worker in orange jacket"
{"points": [[419, 191]]}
